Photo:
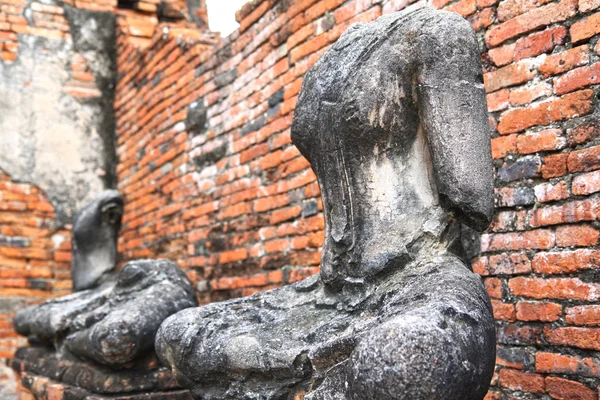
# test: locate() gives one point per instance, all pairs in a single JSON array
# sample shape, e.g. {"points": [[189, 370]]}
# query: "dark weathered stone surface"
{"points": [[94, 244], [113, 317], [197, 12], [115, 322], [195, 121], [94, 36], [393, 121], [144, 375], [526, 167]]}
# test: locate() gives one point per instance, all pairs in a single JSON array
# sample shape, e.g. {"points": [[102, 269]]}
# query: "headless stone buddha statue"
{"points": [[393, 121], [95, 233], [113, 316]]}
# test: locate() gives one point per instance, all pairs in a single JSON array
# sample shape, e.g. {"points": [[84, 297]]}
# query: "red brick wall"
{"points": [[539, 257], [34, 253], [238, 207], [34, 260]]}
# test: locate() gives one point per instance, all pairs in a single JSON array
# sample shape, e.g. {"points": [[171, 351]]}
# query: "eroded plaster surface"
{"points": [[50, 137]]}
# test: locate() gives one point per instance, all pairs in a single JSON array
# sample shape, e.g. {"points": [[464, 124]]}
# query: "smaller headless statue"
{"points": [[393, 121], [95, 233], [113, 316]]}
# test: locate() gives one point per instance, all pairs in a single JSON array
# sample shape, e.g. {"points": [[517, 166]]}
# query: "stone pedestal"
{"points": [[42, 375]]}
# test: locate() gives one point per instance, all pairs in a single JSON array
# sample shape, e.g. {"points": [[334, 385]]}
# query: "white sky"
{"points": [[221, 15]]}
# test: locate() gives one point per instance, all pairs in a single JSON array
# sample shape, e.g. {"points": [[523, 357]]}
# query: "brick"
{"points": [[509, 264], [463, 7], [498, 101], [563, 389], [482, 19], [235, 211], [564, 364], [554, 166], [494, 287], [15, 283], [583, 133], [577, 79], [308, 47], [521, 335], [585, 184], [396, 5], [270, 203], [298, 274], [547, 192], [503, 311], [511, 197], [540, 42], [529, 93], [584, 160], [536, 239], [570, 212], [34, 253], [522, 381], [514, 357], [306, 258], [270, 160], [501, 56], [565, 262], [543, 113], [546, 140], [247, 20], [537, 311], [597, 48], [8, 36], [504, 145], [313, 240], [350, 10], [486, 3], [554, 288], [62, 256], [583, 338], [285, 214], [233, 256], [299, 36], [588, 315], [480, 266], [585, 28], [576, 236], [565, 61], [8, 55], [26, 273], [510, 75], [301, 226], [253, 152], [509, 9], [523, 168], [588, 5], [531, 20], [278, 245], [509, 220], [257, 280], [440, 3]]}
